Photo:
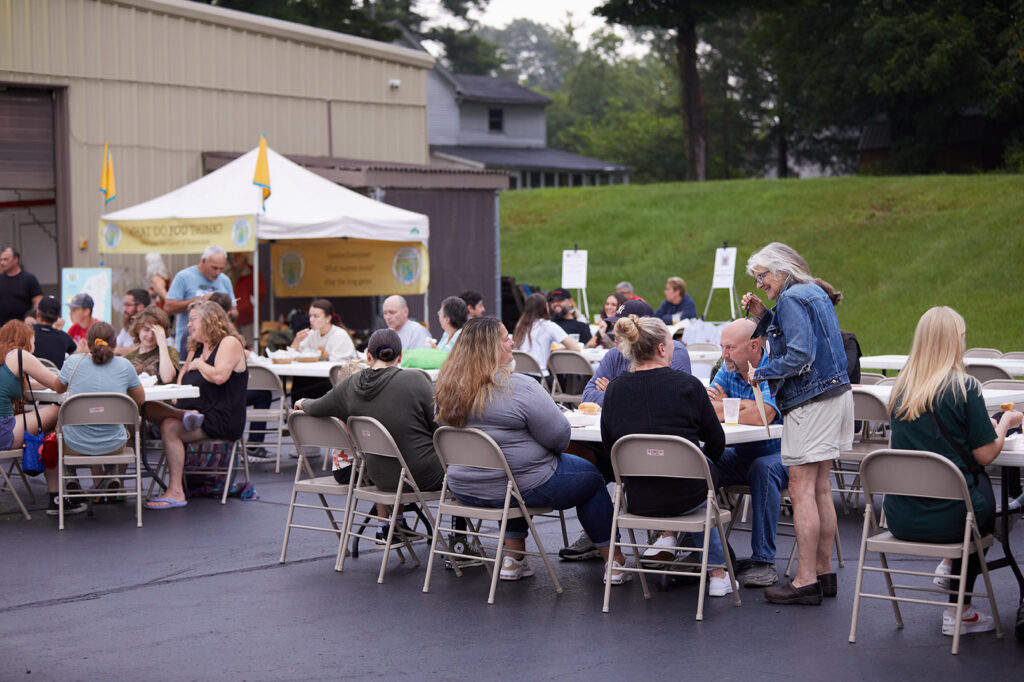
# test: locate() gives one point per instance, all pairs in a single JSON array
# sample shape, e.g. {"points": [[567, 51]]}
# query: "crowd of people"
{"points": [[792, 353]]}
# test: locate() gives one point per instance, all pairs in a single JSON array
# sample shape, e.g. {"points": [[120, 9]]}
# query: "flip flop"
{"points": [[171, 504]]}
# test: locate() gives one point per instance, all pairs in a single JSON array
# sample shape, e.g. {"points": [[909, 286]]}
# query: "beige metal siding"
{"points": [[164, 80]]}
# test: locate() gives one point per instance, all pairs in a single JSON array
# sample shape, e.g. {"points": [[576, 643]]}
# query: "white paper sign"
{"points": [[574, 269], [725, 268]]}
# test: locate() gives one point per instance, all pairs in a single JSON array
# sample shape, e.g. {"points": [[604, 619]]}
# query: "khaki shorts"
{"points": [[818, 431]]}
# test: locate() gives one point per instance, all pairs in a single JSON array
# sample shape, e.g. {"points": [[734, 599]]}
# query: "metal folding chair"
{"points": [[917, 474], [15, 466], [985, 372], [273, 418], [99, 409], [474, 448], [983, 353], [571, 365], [526, 363]]}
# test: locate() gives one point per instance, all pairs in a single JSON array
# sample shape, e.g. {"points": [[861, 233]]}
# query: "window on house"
{"points": [[496, 120]]}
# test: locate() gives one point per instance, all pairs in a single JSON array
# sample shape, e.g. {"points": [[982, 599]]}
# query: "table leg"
{"points": [[1008, 474], [142, 450]]}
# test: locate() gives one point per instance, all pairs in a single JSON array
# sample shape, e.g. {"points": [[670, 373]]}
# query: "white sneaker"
{"points": [[664, 549], [619, 576], [514, 569], [973, 621], [719, 587], [942, 572]]}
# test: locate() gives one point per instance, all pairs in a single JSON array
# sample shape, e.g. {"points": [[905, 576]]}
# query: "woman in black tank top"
{"points": [[216, 364]]}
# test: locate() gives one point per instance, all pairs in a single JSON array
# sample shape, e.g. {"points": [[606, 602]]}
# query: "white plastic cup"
{"points": [[676, 317], [731, 407]]}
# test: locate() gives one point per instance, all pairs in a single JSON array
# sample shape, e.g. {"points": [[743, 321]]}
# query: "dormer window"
{"points": [[496, 120]]}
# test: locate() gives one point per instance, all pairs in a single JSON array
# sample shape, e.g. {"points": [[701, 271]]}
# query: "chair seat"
{"points": [[126, 456], [862, 449], [322, 485], [487, 513], [375, 494], [886, 542], [687, 523]]}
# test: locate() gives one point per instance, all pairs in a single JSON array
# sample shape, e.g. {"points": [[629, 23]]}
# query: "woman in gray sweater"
{"points": [[403, 401]]}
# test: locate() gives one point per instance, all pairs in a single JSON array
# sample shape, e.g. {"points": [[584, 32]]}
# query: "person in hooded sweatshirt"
{"points": [[403, 401]]}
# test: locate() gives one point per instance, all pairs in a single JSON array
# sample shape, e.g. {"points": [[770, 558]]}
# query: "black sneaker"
{"points": [[70, 506], [398, 539], [460, 544], [258, 454], [581, 550]]}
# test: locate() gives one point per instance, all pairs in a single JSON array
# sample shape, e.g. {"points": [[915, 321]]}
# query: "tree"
{"points": [[534, 54], [683, 17]]}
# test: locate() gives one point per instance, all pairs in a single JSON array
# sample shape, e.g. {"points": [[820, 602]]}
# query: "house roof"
{"points": [[539, 158], [489, 89]]}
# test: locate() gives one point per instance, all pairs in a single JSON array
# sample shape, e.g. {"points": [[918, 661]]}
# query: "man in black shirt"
{"points": [[51, 343], [19, 290], [563, 313]]}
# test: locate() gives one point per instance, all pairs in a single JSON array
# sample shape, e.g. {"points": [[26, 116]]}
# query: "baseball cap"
{"points": [[50, 306], [635, 307], [82, 301], [559, 295]]}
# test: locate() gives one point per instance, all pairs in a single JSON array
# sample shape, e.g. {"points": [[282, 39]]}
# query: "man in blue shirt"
{"points": [[197, 283], [758, 464]]}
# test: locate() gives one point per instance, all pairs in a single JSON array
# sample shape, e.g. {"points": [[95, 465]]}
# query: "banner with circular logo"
{"points": [[349, 267], [177, 235]]}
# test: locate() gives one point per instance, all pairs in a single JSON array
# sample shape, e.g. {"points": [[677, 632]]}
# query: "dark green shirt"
{"points": [[931, 520]]}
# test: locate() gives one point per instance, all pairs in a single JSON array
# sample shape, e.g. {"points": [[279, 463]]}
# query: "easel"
{"points": [[725, 269]]}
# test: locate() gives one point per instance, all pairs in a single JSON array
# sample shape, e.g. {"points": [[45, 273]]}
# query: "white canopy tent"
{"points": [[302, 205]]}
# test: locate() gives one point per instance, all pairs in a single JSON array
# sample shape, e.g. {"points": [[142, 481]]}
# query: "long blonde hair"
{"points": [[467, 379], [936, 364]]}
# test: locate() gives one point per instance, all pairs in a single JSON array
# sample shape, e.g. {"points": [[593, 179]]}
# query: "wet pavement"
{"points": [[198, 594]]}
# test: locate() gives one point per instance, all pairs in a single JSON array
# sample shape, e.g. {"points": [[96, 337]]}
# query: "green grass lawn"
{"points": [[894, 246]]}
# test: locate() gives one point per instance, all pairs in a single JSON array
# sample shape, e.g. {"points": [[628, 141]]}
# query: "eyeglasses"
{"points": [[759, 276]]}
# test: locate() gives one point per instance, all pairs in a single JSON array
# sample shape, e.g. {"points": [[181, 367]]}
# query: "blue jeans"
{"points": [[767, 477], [716, 553], [575, 483]]}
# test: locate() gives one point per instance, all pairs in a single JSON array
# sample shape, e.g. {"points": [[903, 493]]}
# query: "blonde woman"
{"points": [[475, 389], [216, 364], [937, 407]]}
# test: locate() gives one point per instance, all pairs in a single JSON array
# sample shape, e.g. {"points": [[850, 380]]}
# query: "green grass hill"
{"points": [[894, 246]]}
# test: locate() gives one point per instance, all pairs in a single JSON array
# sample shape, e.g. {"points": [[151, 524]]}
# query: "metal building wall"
{"points": [[164, 80]]}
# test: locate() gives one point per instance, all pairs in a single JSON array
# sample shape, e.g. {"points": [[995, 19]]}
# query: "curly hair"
{"points": [[149, 316], [216, 324]]}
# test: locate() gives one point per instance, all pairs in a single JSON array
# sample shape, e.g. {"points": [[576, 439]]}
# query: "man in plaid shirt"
{"points": [[757, 464]]}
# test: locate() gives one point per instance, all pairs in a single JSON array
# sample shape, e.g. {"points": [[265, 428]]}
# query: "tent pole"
{"points": [[256, 285]]}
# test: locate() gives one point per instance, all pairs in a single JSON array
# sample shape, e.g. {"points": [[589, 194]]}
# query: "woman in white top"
{"points": [[535, 332], [333, 343]]}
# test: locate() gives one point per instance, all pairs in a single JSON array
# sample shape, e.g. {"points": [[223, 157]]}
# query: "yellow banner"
{"points": [[349, 267], [177, 235]]}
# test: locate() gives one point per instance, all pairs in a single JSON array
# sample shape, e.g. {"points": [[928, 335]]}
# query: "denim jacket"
{"points": [[806, 356]]}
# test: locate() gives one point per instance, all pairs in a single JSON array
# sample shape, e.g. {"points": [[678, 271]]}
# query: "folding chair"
{"points": [[526, 363], [48, 364], [15, 457], [273, 418], [872, 411], [371, 438], [702, 346], [474, 448], [985, 372], [323, 432], [917, 474], [1013, 355], [1005, 384], [983, 353], [568, 364], [665, 457], [99, 409], [214, 464], [869, 378]]}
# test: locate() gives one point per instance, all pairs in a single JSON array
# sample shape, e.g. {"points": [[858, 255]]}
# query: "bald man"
{"points": [[757, 464], [396, 315]]}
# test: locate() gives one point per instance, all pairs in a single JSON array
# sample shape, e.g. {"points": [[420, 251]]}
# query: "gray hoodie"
{"points": [[404, 403]]}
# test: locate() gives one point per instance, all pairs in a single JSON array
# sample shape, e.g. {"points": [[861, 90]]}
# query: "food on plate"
{"points": [[590, 408]]}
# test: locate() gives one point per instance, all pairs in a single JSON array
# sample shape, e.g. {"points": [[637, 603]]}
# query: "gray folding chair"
{"points": [[572, 366], [868, 378], [526, 363], [15, 466], [99, 409], [1004, 384], [917, 474], [227, 470], [1013, 355], [874, 413], [984, 372], [371, 438], [474, 448], [983, 353], [273, 418], [666, 457], [702, 346], [321, 432]]}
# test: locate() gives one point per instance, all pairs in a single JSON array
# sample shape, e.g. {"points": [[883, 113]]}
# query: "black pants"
{"points": [[309, 387], [986, 525]]}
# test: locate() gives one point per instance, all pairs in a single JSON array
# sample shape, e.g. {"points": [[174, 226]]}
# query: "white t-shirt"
{"points": [[336, 342], [413, 335], [124, 339], [538, 342]]}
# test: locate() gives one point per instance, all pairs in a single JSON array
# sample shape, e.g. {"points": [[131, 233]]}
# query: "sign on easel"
{"points": [[724, 278], [574, 275]]}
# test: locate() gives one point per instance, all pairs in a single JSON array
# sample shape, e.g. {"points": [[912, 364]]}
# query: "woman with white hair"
{"points": [[936, 406], [159, 278], [806, 371]]}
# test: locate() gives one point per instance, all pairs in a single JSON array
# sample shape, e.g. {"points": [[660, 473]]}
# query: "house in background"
{"points": [[494, 123]]}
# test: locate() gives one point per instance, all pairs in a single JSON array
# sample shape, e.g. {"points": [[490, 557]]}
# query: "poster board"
{"points": [[97, 282], [725, 268], [349, 267], [574, 269]]}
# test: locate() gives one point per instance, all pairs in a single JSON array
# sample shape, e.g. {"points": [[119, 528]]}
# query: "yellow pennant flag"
{"points": [[262, 176], [107, 184]]}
